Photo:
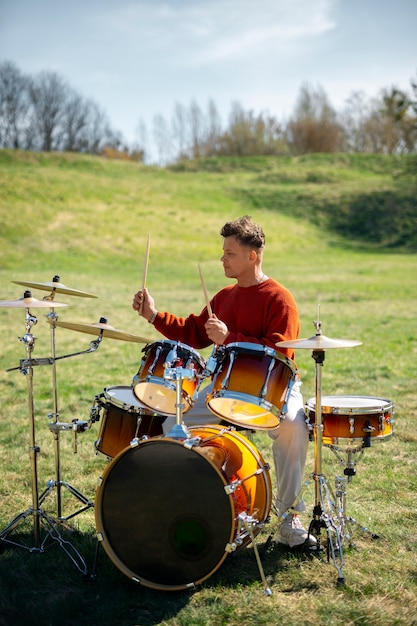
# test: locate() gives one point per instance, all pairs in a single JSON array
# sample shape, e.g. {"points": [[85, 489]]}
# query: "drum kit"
{"points": [[169, 508]]}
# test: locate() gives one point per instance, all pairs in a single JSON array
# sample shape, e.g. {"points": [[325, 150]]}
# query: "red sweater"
{"points": [[264, 314]]}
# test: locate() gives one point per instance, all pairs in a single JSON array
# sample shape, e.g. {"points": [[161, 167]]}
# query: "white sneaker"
{"points": [[292, 533]]}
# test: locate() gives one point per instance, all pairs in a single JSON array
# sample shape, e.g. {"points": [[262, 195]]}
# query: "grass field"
{"points": [[87, 220]]}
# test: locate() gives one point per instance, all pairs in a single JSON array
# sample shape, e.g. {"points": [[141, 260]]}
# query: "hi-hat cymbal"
{"points": [[318, 342], [103, 329], [56, 286], [27, 302]]}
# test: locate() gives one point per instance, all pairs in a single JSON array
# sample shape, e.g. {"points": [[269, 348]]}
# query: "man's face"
{"points": [[237, 259]]}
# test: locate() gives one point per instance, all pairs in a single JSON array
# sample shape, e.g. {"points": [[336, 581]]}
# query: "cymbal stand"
{"points": [[323, 516], [55, 427], [38, 515]]}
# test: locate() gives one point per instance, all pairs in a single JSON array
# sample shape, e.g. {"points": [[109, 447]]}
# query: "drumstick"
{"points": [[210, 312], [145, 271]]}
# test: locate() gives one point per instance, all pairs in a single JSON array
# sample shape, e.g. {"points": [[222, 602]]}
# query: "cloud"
{"points": [[217, 30]]}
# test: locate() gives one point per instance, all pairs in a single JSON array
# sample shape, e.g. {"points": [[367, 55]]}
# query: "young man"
{"points": [[256, 309]]}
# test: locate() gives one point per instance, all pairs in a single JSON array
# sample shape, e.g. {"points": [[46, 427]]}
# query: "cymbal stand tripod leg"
{"points": [[56, 426], [38, 515], [347, 521], [323, 512]]}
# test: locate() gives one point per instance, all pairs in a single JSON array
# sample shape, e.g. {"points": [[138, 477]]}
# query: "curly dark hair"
{"points": [[246, 232]]}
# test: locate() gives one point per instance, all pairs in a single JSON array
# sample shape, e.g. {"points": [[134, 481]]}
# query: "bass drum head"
{"points": [[163, 515]]}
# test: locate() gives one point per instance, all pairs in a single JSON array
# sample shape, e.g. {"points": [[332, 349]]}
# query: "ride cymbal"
{"points": [[103, 329], [55, 286], [318, 342], [27, 302]]}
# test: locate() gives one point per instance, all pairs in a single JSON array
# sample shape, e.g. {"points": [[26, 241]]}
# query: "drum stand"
{"points": [[346, 521], [178, 374], [38, 515]]}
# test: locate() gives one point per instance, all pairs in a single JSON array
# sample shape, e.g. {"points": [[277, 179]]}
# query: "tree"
{"points": [[249, 134], [214, 129], [179, 131], [14, 106], [196, 129], [48, 94], [162, 138], [398, 124], [314, 126]]}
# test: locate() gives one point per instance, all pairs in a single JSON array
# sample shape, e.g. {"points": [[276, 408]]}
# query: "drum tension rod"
{"points": [[231, 487]]}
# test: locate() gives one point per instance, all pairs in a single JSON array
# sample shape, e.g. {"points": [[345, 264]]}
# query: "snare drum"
{"points": [[168, 512], [251, 385], [353, 420], [157, 392], [122, 419]]}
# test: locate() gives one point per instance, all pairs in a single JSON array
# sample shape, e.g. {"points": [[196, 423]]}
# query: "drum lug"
{"points": [[368, 428], [230, 547], [351, 425], [94, 414]]}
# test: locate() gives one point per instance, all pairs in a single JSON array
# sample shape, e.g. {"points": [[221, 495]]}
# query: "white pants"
{"points": [[289, 450], [289, 447]]}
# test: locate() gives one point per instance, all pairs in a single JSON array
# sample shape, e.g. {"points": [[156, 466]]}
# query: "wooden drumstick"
{"points": [[210, 312], [145, 270]]}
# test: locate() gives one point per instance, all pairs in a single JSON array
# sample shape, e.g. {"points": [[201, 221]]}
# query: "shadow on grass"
{"points": [[47, 588]]}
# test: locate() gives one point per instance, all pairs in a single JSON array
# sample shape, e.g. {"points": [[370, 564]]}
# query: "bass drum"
{"points": [[168, 512]]}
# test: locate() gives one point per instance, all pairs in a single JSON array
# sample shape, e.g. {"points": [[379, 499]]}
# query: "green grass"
{"points": [[87, 220]]}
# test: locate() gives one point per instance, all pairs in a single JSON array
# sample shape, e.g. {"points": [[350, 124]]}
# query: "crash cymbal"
{"points": [[318, 342], [27, 302], [55, 286], [103, 329]]}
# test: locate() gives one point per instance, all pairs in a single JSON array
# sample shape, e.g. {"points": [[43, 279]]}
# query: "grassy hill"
{"points": [[341, 234]]}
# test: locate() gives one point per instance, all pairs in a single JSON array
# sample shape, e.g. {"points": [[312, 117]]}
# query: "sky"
{"points": [[139, 58]]}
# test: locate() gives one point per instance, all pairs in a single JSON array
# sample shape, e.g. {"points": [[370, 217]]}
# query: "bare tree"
{"points": [[162, 138], [353, 119], [196, 118], [99, 133], [180, 133], [48, 95], [314, 126], [249, 134], [214, 129], [75, 120], [14, 106]]}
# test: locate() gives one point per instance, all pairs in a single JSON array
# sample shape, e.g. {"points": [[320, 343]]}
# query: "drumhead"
{"points": [[351, 405], [123, 398], [163, 515]]}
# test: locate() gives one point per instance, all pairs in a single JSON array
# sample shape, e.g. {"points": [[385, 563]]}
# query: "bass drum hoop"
{"points": [[162, 555]]}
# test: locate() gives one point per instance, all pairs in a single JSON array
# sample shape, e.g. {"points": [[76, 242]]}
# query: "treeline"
{"points": [[44, 113]]}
